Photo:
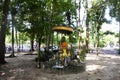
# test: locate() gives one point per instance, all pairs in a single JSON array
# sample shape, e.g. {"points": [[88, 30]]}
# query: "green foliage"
{"points": [[114, 6], [8, 39], [117, 35], [96, 19], [39, 14], [0, 16], [97, 12], [73, 38], [83, 53], [102, 43], [22, 37], [1, 5], [108, 32]]}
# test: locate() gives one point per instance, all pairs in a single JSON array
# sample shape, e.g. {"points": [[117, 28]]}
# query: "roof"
{"points": [[63, 29]]}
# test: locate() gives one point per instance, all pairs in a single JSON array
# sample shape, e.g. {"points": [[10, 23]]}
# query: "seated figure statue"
{"points": [[65, 55]]}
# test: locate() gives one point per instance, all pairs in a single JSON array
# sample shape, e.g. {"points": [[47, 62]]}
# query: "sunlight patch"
{"points": [[3, 74], [94, 67], [92, 57]]}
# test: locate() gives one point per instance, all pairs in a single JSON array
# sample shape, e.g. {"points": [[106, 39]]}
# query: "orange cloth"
{"points": [[64, 44], [63, 47]]}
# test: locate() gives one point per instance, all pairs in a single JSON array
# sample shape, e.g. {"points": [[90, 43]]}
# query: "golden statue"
{"points": [[65, 54]]}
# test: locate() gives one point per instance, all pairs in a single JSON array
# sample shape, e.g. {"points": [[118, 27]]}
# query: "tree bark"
{"points": [[16, 37], [3, 31], [38, 49], [19, 47], [87, 28], [48, 41], [49, 37], [80, 34], [12, 54], [119, 37], [32, 44], [87, 34]]}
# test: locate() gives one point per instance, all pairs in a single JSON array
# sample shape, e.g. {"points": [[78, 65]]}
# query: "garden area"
{"points": [[59, 40]]}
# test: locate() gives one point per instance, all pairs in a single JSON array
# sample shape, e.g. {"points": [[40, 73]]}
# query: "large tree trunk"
{"points": [[119, 37], [32, 37], [80, 33], [38, 49], [19, 47], [3, 31], [12, 54], [48, 41], [32, 44], [87, 28], [16, 37], [87, 34], [49, 37], [98, 39]]}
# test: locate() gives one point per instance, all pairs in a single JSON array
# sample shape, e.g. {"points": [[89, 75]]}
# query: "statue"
{"points": [[65, 53]]}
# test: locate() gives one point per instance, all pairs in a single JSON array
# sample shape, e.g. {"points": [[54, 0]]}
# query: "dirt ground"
{"points": [[23, 67]]}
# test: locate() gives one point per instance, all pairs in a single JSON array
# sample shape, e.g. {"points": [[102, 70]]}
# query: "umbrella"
{"points": [[63, 29]]}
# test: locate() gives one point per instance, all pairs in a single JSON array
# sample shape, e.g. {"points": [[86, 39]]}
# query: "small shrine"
{"points": [[63, 58], [64, 54]]}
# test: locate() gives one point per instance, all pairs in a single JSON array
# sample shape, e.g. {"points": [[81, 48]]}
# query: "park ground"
{"points": [[105, 66]]}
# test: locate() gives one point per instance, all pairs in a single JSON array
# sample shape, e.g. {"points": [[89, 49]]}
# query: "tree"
{"points": [[96, 18], [87, 27], [42, 16], [13, 13], [114, 7], [3, 31]]}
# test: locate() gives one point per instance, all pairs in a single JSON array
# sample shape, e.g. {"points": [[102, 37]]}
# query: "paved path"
{"points": [[105, 50]]}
